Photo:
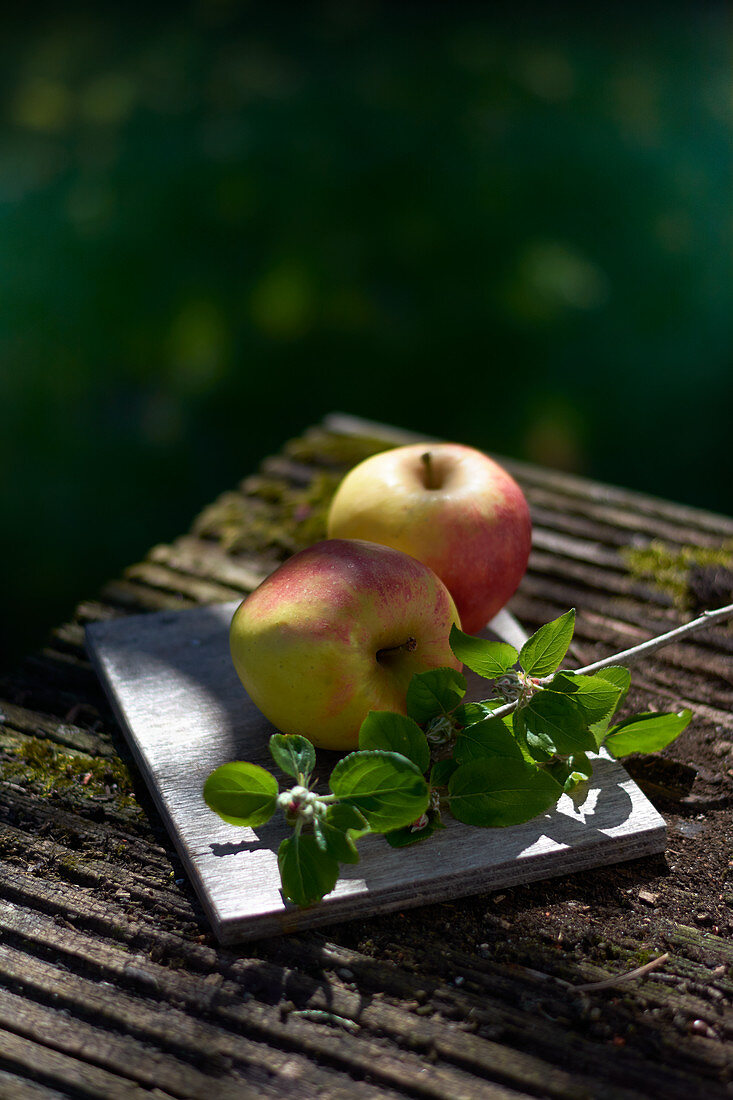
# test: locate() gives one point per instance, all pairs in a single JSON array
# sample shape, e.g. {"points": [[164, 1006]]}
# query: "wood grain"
{"points": [[471, 998]]}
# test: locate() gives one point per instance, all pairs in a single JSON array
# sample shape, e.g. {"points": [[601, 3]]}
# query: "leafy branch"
{"points": [[495, 763]]}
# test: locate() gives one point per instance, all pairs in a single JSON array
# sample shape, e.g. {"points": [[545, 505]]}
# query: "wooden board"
{"points": [[179, 701]]}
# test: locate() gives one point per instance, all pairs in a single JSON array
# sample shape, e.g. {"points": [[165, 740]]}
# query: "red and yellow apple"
{"points": [[451, 507], [336, 631]]}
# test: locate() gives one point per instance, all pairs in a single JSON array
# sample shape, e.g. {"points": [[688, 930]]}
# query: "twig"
{"points": [[607, 983], [636, 651], [643, 648]]}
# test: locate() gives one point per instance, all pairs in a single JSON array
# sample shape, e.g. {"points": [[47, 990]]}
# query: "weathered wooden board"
{"points": [[184, 711]]}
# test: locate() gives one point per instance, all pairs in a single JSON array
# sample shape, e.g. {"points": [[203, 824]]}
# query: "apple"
{"points": [[451, 507], [337, 631]]}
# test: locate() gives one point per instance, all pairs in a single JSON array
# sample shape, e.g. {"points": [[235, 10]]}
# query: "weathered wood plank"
{"points": [[61, 733], [128, 1058], [475, 998], [163, 579], [187, 555], [130, 595], [12, 1087], [633, 518], [301, 1029], [63, 1071]]}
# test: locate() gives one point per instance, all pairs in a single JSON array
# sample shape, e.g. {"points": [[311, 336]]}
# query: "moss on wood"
{"points": [[47, 769], [323, 447], [669, 568], [273, 514]]}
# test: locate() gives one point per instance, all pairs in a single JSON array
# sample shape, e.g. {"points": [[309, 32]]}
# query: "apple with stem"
{"points": [[451, 507], [337, 631]]}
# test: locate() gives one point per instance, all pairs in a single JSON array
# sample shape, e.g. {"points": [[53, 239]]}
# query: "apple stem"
{"points": [[430, 480], [635, 652]]}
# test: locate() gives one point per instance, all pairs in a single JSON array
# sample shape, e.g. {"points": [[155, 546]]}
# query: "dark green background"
{"points": [[505, 225]]}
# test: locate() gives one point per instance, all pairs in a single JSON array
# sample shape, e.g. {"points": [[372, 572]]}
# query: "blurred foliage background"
{"points": [[505, 225]]}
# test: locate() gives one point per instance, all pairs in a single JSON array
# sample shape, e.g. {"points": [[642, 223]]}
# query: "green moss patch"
{"points": [[668, 567], [322, 447], [45, 769]]}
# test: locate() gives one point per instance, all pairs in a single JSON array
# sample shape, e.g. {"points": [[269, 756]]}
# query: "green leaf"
{"points": [[470, 713], [385, 787], [335, 842], [500, 792], [646, 732], [294, 754], [571, 773], [581, 765], [342, 825], [539, 746], [441, 772], [434, 692], [383, 729], [596, 696], [573, 781], [241, 794], [621, 678], [559, 770], [347, 818], [555, 724], [489, 738], [542, 653], [581, 771], [617, 675], [489, 659], [307, 872]]}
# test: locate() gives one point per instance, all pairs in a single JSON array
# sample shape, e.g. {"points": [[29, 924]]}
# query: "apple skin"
{"points": [[473, 529], [305, 643]]}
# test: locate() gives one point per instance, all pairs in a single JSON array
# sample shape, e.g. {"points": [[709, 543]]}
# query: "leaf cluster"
{"points": [[495, 763], [372, 790]]}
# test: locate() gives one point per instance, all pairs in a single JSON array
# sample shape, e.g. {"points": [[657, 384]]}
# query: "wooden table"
{"points": [[111, 984]]}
